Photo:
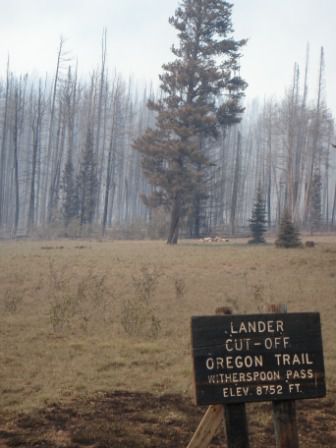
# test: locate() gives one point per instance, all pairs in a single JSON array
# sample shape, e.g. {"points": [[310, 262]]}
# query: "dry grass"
{"points": [[62, 307]]}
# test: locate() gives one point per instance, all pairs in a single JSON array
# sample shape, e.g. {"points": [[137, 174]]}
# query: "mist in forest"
{"points": [[68, 166]]}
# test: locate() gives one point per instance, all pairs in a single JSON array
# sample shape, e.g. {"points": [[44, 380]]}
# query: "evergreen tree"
{"points": [[288, 235], [200, 91], [258, 219], [87, 182], [70, 200], [315, 204]]}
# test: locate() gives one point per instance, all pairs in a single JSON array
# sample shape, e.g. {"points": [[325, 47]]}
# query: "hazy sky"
{"points": [[139, 38]]}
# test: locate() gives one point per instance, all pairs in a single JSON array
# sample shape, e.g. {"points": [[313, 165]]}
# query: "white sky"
{"points": [[139, 38]]}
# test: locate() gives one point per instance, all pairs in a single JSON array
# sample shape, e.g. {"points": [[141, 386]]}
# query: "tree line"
{"points": [[67, 165], [100, 157]]}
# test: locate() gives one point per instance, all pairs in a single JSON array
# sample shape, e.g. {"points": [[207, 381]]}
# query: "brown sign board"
{"points": [[259, 357]]}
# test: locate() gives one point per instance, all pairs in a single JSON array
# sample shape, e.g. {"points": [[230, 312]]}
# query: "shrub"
{"points": [[76, 303], [12, 300], [288, 235], [180, 287], [138, 319], [138, 316]]}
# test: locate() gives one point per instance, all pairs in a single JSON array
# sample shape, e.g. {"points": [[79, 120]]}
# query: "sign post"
{"points": [[235, 414], [284, 411]]}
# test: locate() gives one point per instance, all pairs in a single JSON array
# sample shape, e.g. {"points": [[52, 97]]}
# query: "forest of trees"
{"points": [[70, 163]]}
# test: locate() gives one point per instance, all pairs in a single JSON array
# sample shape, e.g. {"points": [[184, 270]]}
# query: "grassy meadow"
{"points": [[81, 317]]}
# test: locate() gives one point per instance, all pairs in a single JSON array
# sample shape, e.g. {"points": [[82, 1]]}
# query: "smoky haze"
{"points": [[68, 165], [139, 38]]}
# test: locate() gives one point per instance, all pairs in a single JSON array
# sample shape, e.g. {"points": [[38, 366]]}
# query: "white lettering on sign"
{"points": [[276, 342], [294, 387], [237, 345], [245, 377], [235, 391], [301, 374], [269, 389], [231, 362], [259, 326], [296, 359]]}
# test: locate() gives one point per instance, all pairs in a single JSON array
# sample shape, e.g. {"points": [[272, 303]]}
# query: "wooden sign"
{"points": [[240, 358]]}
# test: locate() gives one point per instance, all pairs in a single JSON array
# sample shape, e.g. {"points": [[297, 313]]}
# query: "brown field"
{"points": [[95, 336]]}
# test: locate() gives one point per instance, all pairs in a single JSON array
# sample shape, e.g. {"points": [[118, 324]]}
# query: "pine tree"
{"points": [[315, 204], [288, 235], [200, 91], [258, 219], [70, 200], [87, 182]]}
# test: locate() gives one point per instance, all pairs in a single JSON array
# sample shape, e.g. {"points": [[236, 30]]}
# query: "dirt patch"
{"points": [[141, 420]]}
